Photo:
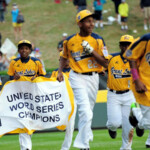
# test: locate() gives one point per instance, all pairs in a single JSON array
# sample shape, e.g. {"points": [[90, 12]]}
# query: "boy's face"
{"points": [[124, 46], [87, 25], [24, 51]]}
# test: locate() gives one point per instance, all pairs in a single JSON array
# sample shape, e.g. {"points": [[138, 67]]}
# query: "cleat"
{"points": [[139, 132], [132, 119], [147, 146], [112, 134]]}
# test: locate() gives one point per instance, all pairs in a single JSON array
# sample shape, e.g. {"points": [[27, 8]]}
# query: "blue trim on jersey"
{"points": [[25, 60], [16, 59], [115, 54], [119, 53], [145, 37], [96, 36], [35, 59], [64, 70], [69, 37]]}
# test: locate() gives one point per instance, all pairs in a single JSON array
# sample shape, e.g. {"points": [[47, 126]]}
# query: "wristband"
{"points": [[135, 74]]}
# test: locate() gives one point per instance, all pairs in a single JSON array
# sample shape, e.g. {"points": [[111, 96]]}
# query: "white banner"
{"points": [[27, 105]]}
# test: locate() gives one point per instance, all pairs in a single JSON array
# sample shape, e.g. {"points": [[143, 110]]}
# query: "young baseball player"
{"points": [[25, 66], [139, 56], [86, 53], [120, 97]]}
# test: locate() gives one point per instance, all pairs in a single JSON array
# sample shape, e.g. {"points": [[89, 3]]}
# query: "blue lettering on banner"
{"points": [[19, 96], [37, 98], [22, 105], [34, 116], [50, 108], [49, 97]]}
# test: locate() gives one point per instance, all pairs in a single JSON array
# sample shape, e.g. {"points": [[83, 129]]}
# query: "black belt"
{"points": [[119, 92], [87, 73]]}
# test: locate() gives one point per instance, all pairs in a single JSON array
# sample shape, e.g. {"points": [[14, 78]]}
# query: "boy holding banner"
{"points": [[25, 66]]}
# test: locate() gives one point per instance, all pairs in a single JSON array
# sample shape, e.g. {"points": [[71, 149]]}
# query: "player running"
{"points": [[139, 56], [120, 97]]}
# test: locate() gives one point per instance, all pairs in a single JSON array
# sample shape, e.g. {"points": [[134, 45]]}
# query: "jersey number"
{"points": [[92, 64]]}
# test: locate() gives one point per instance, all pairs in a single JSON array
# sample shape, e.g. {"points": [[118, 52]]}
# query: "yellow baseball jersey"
{"points": [[119, 74], [29, 67], [140, 52], [79, 60], [66, 71]]}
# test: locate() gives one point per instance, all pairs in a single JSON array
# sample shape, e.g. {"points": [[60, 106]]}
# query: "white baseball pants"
{"points": [[118, 111], [142, 114], [25, 141], [69, 132], [85, 89]]}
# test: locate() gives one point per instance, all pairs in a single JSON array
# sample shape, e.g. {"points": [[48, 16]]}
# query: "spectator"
{"points": [[117, 3], [80, 4], [145, 6], [120, 96], [60, 44], [3, 5], [123, 11], [98, 7], [17, 26]]}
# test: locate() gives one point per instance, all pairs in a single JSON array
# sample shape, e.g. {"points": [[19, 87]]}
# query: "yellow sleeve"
{"points": [[135, 50], [65, 50], [11, 69], [54, 74]]}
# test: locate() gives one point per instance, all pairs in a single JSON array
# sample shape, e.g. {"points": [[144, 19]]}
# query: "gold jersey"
{"points": [[29, 67], [140, 52], [66, 71], [119, 74], [79, 60]]}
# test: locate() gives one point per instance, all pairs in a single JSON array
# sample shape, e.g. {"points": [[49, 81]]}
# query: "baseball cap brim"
{"points": [[83, 14]]}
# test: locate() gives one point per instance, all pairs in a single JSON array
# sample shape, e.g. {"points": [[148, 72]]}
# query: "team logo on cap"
{"points": [[79, 17]]}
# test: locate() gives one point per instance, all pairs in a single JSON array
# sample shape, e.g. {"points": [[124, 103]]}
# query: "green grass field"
{"points": [[45, 22], [53, 141]]}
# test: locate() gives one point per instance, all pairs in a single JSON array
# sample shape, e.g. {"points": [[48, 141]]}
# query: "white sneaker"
{"points": [[145, 27]]}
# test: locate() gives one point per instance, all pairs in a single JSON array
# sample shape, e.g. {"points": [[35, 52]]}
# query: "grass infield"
{"points": [[53, 141]]}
